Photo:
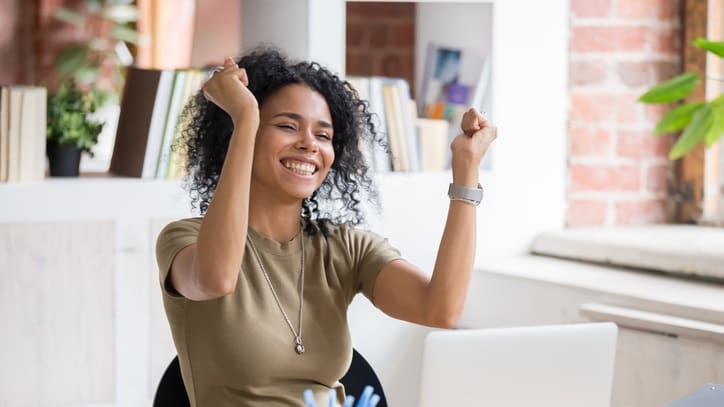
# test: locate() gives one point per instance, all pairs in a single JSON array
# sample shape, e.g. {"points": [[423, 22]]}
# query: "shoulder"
{"points": [[180, 225], [178, 232]]}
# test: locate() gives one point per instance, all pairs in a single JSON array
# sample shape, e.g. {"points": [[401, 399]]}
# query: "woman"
{"points": [[256, 291]]}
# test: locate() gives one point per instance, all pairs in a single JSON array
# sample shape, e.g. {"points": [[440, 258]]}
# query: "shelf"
{"points": [[102, 196], [92, 198]]}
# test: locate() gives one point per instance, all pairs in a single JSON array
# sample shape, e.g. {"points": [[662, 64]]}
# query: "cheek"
{"points": [[328, 152]]}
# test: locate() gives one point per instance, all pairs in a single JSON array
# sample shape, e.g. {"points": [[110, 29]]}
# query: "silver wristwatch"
{"points": [[469, 195]]}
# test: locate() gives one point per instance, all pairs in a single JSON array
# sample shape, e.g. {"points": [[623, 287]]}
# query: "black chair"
{"points": [[171, 391]]}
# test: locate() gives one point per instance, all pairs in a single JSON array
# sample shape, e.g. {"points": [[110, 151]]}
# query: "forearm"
{"points": [[222, 237], [455, 257]]}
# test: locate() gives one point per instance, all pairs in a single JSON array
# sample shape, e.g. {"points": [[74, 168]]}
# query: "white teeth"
{"points": [[299, 168]]}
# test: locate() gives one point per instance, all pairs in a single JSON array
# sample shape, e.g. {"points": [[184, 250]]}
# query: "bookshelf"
{"points": [[528, 99], [525, 191]]}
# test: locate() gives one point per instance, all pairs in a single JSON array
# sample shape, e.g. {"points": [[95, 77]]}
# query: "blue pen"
{"points": [[309, 398], [367, 399], [332, 398], [364, 398], [348, 401]]}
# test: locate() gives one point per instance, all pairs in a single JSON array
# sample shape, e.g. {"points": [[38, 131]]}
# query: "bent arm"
{"points": [[210, 268], [402, 290]]}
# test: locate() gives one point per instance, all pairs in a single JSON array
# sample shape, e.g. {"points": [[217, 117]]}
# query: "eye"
{"points": [[324, 136], [287, 126]]}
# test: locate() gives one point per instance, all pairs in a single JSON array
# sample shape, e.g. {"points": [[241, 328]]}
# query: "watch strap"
{"points": [[469, 195]]}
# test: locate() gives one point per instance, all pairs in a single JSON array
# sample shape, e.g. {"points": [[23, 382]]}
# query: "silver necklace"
{"points": [[299, 347]]}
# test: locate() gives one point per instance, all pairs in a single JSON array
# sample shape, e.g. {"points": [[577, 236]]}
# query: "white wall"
{"points": [[305, 29], [457, 25]]}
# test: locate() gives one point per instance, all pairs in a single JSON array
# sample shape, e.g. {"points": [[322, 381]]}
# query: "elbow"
{"points": [[448, 322], [221, 288], [213, 287], [445, 319]]}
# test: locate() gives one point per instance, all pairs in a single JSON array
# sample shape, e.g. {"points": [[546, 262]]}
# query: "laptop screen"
{"points": [[558, 365]]}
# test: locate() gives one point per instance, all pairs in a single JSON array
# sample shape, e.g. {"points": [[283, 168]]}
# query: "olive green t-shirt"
{"points": [[238, 350]]}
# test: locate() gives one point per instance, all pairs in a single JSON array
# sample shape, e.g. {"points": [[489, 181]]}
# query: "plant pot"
{"points": [[64, 161]]}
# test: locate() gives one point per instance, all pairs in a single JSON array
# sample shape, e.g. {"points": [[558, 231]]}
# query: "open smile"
{"points": [[300, 167]]}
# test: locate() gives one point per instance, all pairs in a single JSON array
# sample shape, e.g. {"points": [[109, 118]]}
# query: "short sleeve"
{"points": [[370, 253], [174, 237]]}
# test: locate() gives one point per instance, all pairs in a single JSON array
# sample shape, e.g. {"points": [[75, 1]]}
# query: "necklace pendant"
{"points": [[300, 347]]}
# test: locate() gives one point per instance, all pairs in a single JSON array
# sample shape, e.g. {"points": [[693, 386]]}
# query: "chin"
{"points": [[301, 194]]}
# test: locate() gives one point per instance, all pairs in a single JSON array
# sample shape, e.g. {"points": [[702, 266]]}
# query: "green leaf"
{"points": [[68, 16], [717, 127], [94, 6], [72, 58], [671, 90], [100, 44], [86, 75], [677, 118], [68, 120], [124, 33], [717, 47], [717, 102], [695, 132], [121, 14]]}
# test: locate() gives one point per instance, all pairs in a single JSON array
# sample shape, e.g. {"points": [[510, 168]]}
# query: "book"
{"points": [[408, 116], [434, 146], [134, 122], [394, 128], [177, 157], [158, 121], [14, 124], [4, 130], [382, 158], [393, 116], [361, 86], [32, 134], [174, 110]]}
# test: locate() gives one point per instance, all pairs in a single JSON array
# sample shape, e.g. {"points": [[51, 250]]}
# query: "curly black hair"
{"points": [[207, 131]]}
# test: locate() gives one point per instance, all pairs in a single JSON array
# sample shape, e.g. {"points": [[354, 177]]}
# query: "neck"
{"points": [[276, 220]]}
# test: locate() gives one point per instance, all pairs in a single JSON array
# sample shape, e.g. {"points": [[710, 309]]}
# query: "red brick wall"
{"points": [[618, 172], [17, 35], [381, 40], [31, 39]]}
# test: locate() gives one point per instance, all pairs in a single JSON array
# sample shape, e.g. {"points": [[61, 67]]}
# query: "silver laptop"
{"points": [[556, 366]]}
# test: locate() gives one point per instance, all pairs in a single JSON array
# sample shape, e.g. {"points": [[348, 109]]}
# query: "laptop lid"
{"points": [[709, 395], [558, 365]]}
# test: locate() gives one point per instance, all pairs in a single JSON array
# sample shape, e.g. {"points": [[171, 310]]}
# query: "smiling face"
{"points": [[293, 150]]}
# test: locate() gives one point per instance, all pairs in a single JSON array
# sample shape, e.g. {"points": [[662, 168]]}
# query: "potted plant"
{"points": [[70, 130], [91, 73], [98, 62]]}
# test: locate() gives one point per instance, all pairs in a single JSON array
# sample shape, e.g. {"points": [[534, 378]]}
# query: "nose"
{"points": [[307, 141]]}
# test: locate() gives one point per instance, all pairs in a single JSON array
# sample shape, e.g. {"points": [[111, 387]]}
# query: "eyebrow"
{"points": [[298, 117]]}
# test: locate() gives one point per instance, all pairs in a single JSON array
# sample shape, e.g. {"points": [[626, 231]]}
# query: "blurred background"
{"points": [[586, 216]]}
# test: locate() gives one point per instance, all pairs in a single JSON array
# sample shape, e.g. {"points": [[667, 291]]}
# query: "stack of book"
{"points": [[414, 144], [148, 125], [22, 133]]}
